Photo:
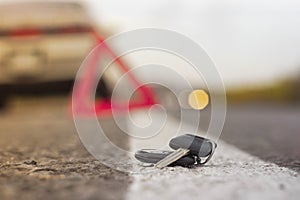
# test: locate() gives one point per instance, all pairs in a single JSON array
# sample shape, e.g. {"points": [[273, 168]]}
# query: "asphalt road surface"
{"points": [[41, 157]]}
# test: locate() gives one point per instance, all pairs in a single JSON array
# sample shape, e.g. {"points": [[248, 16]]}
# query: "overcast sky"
{"points": [[251, 41]]}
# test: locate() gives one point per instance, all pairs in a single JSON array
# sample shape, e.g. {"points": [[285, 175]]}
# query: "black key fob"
{"points": [[198, 146], [154, 155]]}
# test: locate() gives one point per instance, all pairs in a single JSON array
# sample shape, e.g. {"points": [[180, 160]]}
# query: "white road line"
{"points": [[231, 174]]}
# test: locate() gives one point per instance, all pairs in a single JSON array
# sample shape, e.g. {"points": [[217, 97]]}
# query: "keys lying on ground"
{"points": [[190, 149], [171, 158], [196, 146], [154, 155]]}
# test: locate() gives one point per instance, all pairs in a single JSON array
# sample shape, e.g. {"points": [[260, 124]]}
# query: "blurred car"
{"points": [[45, 42], [42, 42]]}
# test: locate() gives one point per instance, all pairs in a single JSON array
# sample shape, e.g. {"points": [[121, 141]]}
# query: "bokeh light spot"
{"points": [[198, 99]]}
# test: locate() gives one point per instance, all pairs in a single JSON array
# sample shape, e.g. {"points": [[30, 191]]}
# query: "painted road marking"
{"points": [[231, 174]]}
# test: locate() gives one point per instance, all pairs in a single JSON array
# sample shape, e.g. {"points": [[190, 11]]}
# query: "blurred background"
{"points": [[254, 44]]}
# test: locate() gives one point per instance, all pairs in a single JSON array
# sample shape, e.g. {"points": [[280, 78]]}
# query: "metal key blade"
{"points": [[176, 155]]}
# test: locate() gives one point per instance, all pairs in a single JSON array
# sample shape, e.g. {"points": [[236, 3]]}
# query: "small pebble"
{"points": [[30, 162], [281, 186]]}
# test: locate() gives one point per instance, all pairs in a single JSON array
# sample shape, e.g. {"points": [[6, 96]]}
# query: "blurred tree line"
{"points": [[286, 91]]}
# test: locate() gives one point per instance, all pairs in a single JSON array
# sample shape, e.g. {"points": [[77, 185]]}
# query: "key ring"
{"points": [[214, 145]]}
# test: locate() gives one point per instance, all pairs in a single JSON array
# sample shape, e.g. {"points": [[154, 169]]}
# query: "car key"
{"points": [[154, 156], [198, 146], [171, 158], [189, 144]]}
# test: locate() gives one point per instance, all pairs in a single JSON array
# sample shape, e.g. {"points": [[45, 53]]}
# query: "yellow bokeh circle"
{"points": [[198, 99]]}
